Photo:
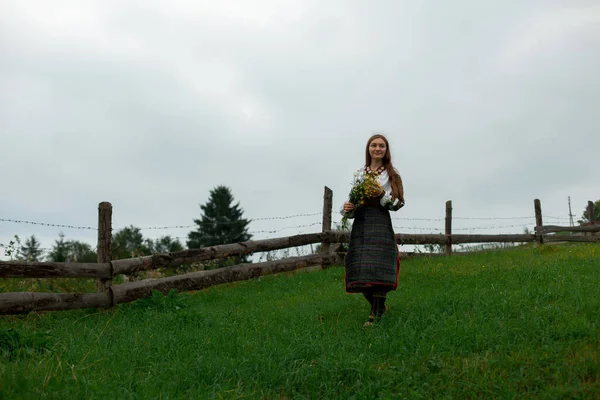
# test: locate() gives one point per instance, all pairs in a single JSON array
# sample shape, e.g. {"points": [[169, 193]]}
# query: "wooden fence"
{"points": [[105, 270]]}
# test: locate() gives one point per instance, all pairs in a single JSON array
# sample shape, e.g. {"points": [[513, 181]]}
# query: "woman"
{"points": [[372, 260]]}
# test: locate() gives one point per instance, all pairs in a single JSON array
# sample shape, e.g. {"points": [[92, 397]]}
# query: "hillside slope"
{"points": [[522, 322]]}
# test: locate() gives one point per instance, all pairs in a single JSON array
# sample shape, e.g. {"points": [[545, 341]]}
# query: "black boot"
{"points": [[379, 306], [369, 297], [371, 300]]}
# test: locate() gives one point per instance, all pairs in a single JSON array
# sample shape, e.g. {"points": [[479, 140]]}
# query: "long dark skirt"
{"points": [[372, 262]]}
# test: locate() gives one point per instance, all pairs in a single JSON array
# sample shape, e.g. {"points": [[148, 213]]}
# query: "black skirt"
{"points": [[372, 261]]}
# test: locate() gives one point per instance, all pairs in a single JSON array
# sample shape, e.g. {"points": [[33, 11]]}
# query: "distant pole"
{"points": [[448, 248], [570, 213], [591, 216], [104, 239], [327, 211], [537, 205]]}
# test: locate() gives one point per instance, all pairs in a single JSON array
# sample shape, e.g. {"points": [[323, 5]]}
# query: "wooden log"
{"points": [[401, 238], [408, 238], [25, 302], [448, 246], [565, 238], [203, 279], [22, 269], [501, 238], [128, 266], [327, 211], [406, 255], [537, 205], [104, 241], [132, 265], [553, 229]]}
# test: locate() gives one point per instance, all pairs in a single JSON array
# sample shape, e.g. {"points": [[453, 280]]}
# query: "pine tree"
{"points": [[585, 217], [221, 222], [31, 251], [72, 251], [60, 250]]}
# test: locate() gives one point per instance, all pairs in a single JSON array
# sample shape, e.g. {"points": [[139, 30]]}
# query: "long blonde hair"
{"points": [[395, 179]]}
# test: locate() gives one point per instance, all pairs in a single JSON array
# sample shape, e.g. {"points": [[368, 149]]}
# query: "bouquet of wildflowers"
{"points": [[365, 185]]}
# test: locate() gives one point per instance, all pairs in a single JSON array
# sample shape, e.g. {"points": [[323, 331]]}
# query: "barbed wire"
{"points": [[47, 224], [492, 218], [532, 217], [490, 227], [476, 218], [415, 228], [287, 217], [19, 221], [487, 227], [274, 231], [212, 223], [289, 227], [269, 232], [432, 229], [265, 231]]}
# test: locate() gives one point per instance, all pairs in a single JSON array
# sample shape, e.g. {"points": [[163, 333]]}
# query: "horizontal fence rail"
{"points": [[24, 269], [105, 270], [25, 302], [555, 229]]}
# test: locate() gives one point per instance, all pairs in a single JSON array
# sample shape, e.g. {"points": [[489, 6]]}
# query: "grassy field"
{"points": [[519, 323]]}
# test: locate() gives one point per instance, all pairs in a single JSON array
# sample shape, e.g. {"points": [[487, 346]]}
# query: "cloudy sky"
{"points": [[151, 104]]}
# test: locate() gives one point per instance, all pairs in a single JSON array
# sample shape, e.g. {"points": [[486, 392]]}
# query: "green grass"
{"points": [[519, 323]]}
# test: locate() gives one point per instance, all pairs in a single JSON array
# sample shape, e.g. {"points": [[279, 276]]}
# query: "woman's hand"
{"points": [[348, 206]]}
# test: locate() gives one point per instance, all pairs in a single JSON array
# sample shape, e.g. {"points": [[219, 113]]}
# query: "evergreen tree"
{"points": [[72, 251], [31, 251], [221, 222], [60, 250], [585, 217]]}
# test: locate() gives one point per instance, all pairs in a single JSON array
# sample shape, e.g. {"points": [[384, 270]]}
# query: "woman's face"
{"points": [[377, 149]]}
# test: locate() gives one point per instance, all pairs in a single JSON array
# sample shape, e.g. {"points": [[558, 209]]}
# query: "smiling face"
{"points": [[377, 149]]}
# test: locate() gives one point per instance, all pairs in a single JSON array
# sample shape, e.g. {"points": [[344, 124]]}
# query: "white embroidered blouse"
{"points": [[387, 201]]}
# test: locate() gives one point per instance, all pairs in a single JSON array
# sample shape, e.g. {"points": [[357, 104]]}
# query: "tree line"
{"points": [[221, 221]]}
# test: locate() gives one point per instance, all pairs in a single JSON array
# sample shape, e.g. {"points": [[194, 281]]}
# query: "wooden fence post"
{"points": [[104, 239], [537, 205], [448, 248], [327, 211]]}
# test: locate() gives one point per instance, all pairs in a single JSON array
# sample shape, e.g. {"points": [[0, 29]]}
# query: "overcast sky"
{"points": [[151, 104]]}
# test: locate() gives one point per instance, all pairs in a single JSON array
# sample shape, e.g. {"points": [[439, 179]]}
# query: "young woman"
{"points": [[372, 260]]}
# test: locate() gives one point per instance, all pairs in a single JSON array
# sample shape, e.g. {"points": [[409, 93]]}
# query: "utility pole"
{"points": [[570, 213]]}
